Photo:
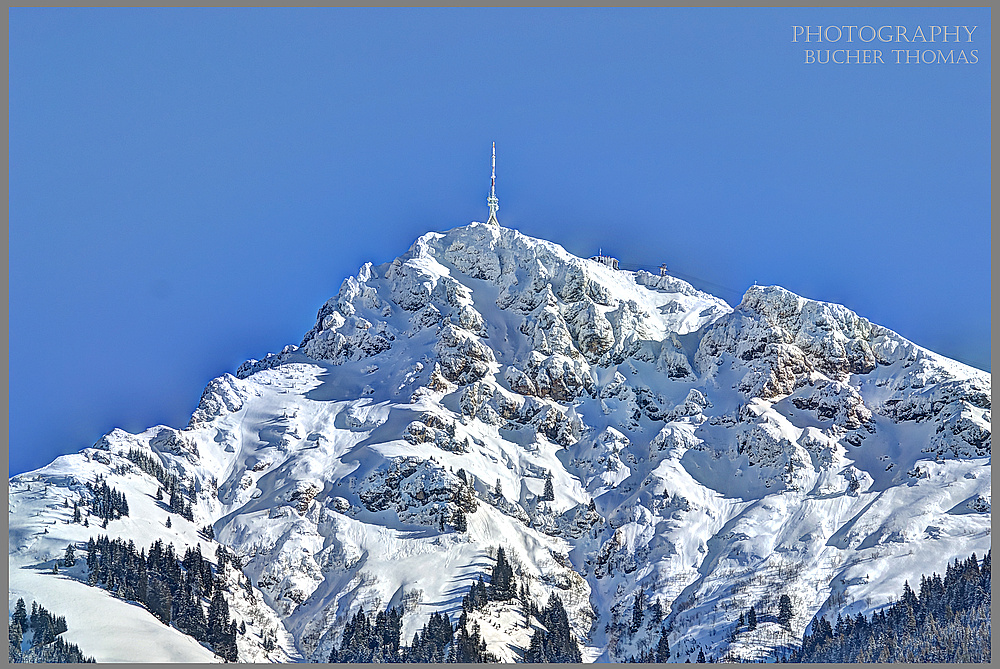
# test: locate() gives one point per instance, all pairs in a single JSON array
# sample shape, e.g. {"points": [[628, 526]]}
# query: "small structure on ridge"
{"points": [[492, 200]]}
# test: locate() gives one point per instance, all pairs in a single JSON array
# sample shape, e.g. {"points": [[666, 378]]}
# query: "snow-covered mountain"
{"points": [[616, 433]]}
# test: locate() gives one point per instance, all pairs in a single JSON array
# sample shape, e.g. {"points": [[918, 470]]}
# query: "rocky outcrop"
{"points": [[463, 358], [432, 429], [418, 491], [836, 402], [781, 338], [223, 395]]}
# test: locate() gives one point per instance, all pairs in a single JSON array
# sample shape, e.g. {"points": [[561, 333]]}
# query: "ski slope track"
{"points": [[707, 457]]}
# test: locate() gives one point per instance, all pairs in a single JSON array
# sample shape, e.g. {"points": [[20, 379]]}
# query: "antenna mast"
{"points": [[492, 200]]}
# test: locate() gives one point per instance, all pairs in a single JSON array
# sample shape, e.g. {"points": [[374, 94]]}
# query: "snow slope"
{"points": [[707, 457]]}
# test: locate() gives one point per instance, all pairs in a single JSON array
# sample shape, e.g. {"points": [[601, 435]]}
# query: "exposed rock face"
{"points": [[782, 343], [420, 493], [617, 433], [434, 430], [304, 493], [782, 338], [834, 401], [463, 358], [223, 395]]}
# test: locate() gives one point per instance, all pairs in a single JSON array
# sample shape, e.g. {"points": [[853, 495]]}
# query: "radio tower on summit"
{"points": [[492, 199]]}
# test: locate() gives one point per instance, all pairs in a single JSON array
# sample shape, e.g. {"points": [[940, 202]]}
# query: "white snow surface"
{"points": [[709, 458]]}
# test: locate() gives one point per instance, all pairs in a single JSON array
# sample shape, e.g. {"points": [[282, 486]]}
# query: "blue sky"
{"points": [[187, 187]]}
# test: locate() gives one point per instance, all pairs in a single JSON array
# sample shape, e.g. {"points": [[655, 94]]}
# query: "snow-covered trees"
{"points": [[656, 612], [172, 589], [378, 640], [468, 646], [662, 647], [477, 597], [431, 643], [784, 610], [70, 558], [106, 502], [158, 599], [949, 621], [221, 630], [356, 641], [180, 498], [638, 607], [179, 502], [549, 493], [45, 645], [149, 463], [190, 615], [502, 585], [459, 521], [367, 640], [555, 643]]}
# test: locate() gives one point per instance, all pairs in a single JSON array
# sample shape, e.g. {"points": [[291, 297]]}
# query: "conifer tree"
{"points": [[663, 647], [218, 619], [190, 616], [46, 645], [502, 583], [548, 494], [526, 605], [947, 622], [159, 600], [106, 502], [656, 612], [637, 613], [459, 521], [20, 614], [14, 635], [555, 643], [270, 641], [784, 611], [230, 651]]}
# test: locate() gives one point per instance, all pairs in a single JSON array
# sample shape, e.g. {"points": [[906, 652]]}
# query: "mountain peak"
{"points": [[618, 434]]}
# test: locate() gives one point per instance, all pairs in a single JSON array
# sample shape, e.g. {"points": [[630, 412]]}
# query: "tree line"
{"points": [[35, 637], [659, 651], [377, 639], [174, 589], [948, 620], [106, 502], [181, 499]]}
